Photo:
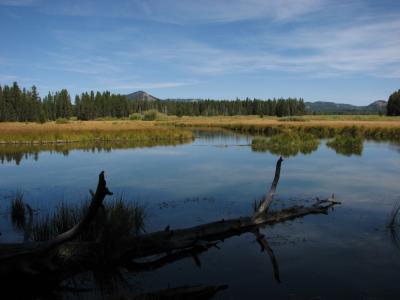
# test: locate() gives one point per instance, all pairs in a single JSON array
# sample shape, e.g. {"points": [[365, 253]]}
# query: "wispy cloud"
{"points": [[85, 64], [369, 47], [192, 11], [227, 10], [372, 47], [148, 85], [19, 2], [6, 77]]}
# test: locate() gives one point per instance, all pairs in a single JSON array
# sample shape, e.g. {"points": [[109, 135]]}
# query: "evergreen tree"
{"points": [[393, 106]]}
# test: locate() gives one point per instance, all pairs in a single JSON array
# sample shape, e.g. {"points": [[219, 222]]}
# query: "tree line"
{"points": [[25, 105]]}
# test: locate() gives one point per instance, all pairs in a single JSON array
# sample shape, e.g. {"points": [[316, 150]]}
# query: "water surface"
{"points": [[347, 254]]}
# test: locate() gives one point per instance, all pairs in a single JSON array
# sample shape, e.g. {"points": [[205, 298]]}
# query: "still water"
{"points": [[347, 254]]}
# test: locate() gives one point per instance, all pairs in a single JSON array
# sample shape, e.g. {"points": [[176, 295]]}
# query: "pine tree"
{"points": [[393, 106]]}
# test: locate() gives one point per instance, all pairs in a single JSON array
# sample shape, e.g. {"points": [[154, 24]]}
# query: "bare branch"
{"points": [[264, 205]]}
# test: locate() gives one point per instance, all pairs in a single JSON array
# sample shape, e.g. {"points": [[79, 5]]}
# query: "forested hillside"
{"points": [[24, 105]]}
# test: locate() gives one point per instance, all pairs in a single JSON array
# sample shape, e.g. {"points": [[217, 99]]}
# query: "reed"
{"points": [[118, 218], [18, 210], [394, 213]]}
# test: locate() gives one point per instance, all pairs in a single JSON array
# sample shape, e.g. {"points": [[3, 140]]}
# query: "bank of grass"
{"points": [[169, 128], [369, 126], [89, 131]]}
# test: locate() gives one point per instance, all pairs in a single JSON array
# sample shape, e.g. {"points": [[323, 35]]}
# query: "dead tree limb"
{"points": [[264, 205]]}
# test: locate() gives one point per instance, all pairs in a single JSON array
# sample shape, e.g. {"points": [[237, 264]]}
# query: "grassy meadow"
{"points": [[173, 128], [88, 131]]}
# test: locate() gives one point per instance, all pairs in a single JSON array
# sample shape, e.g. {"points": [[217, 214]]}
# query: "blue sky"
{"points": [[321, 50]]}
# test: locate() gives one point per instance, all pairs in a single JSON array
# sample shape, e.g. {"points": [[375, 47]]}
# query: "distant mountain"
{"points": [[341, 108], [377, 105], [318, 107], [141, 95]]}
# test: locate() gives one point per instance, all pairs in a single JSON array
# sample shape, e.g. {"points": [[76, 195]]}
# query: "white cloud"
{"points": [[369, 47]]}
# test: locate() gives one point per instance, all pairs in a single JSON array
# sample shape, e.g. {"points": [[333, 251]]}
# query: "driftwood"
{"points": [[64, 257]]}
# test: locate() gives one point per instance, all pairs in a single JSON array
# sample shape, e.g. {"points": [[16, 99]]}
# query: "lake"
{"points": [[347, 254]]}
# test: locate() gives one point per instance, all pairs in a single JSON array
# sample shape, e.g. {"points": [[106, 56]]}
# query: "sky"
{"points": [[320, 50]]}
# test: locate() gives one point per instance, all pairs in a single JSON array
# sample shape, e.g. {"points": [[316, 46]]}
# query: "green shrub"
{"points": [[150, 115], [292, 119], [135, 117], [62, 121], [154, 115]]}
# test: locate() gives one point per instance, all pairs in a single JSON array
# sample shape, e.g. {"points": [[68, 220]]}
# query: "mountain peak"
{"points": [[141, 95], [378, 104]]}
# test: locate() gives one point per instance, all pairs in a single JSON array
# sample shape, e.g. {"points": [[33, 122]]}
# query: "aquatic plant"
{"points": [[286, 144], [347, 144], [392, 222], [394, 213], [117, 218], [18, 210]]}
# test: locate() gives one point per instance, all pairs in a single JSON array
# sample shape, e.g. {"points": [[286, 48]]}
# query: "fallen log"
{"points": [[167, 241]]}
